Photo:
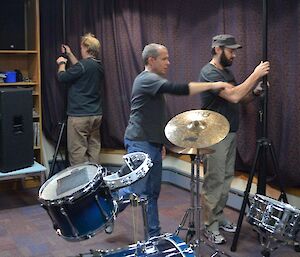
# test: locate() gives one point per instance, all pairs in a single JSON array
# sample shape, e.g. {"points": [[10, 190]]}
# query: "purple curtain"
{"points": [[186, 28]]}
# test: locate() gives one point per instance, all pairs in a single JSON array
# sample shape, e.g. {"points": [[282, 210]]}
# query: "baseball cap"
{"points": [[225, 40]]}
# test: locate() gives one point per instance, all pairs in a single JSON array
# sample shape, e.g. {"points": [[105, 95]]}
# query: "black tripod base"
{"points": [[54, 159], [263, 146]]}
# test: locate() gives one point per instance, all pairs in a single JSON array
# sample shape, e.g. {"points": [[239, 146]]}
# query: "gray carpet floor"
{"points": [[27, 231]]}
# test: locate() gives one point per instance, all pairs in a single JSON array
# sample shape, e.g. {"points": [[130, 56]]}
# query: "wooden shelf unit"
{"points": [[28, 62]]}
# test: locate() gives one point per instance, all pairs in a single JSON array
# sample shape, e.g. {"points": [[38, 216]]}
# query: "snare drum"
{"points": [[78, 201], [161, 246], [136, 167], [278, 218]]}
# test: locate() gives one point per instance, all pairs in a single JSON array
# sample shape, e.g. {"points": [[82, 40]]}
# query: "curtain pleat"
{"points": [[124, 27]]}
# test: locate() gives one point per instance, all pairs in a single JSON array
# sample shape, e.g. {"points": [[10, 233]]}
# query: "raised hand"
{"points": [[262, 69], [65, 49]]}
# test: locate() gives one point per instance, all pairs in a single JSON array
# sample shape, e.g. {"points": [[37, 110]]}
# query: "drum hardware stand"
{"points": [[271, 243], [142, 201], [266, 242], [193, 212], [262, 146]]}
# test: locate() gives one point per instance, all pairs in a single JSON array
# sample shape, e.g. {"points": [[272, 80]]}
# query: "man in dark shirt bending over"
{"points": [[145, 130]]}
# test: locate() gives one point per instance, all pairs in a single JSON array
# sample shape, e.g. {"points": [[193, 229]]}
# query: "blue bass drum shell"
{"points": [[82, 206]]}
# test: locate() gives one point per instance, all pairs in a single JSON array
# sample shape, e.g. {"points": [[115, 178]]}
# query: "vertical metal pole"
{"points": [[262, 181], [64, 38], [192, 184], [64, 20], [144, 204], [197, 206]]}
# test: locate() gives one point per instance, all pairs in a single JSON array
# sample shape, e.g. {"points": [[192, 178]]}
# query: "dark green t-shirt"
{"points": [[148, 109], [212, 101], [85, 91]]}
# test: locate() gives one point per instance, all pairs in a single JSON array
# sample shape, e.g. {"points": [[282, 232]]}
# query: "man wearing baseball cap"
{"points": [[220, 165]]}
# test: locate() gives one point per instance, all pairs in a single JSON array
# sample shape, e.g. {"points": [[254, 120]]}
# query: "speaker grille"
{"points": [[16, 129]]}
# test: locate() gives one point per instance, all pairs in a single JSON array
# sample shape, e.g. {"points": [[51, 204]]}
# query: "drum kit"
{"points": [[79, 200]]}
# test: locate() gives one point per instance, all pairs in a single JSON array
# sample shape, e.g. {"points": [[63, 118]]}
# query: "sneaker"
{"points": [[228, 227], [214, 237]]}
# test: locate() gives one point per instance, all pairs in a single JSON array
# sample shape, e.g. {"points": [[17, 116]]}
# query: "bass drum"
{"points": [[78, 201], [162, 246]]}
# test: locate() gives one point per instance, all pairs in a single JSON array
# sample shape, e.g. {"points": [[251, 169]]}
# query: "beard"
{"points": [[224, 61]]}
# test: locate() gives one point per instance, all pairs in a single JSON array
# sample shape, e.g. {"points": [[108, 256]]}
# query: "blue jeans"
{"points": [[148, 186]]}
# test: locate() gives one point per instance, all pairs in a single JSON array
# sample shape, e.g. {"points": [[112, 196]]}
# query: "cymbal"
{"points": [[191, 151], [197, 129]]}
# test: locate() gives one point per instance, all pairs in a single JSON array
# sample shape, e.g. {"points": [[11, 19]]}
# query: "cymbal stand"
{"points": [[193, 212]]}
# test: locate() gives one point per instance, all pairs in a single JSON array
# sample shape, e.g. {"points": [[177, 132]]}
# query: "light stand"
{"points": [[61, 132], [63, 124], [263, 145]]}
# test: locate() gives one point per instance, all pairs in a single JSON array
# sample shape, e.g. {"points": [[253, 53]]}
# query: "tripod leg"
{"points": [[56, 150], [276, 168], [245, 199], [183, 221]]}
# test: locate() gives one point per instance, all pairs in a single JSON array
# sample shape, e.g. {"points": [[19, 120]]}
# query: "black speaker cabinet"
{"points": [[16, 129], [12, 25]]}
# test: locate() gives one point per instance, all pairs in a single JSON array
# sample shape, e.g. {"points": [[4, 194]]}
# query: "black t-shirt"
{"points": [[85, 90], [212, 101], [148, 109]]}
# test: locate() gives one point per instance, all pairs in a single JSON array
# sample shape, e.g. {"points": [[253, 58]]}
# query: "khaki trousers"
{"points": [[84, 142], [217, 180]]}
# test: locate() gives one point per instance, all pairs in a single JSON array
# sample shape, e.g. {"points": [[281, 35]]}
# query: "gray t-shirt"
{"points": [[212, 101], [148, 109]]}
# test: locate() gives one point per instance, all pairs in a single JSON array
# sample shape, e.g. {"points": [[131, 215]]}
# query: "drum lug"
{"points": [[75, 231], [100, 208], [44, 207]]}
